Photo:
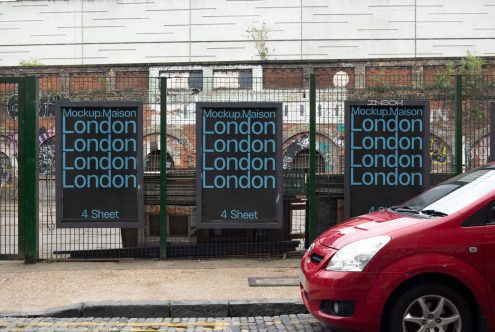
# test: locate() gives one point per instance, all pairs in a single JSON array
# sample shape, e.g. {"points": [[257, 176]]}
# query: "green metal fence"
{"points": [[18, 174], [58, 243], [313, 155], [9, 224]]}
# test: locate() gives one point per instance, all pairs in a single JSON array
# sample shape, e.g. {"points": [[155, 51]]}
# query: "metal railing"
{"points": [[312, 144]]}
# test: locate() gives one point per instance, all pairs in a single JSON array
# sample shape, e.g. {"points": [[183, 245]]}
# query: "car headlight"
{"points": [[311, 247], [355, 256]]}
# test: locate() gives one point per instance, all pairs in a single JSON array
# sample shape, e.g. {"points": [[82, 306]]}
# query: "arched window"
{"points": [[301, 161], [152, 161]]}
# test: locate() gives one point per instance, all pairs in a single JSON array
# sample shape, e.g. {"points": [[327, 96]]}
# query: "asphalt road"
{"points": [[303, 322]]}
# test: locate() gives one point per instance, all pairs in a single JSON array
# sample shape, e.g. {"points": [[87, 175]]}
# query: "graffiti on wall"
{"points": [[438, 114], [441, 155], [5, 169], [438, 150], [46, 155], [46, 106], [8, 155], [47, 103], [8, 158], [13, 107]]}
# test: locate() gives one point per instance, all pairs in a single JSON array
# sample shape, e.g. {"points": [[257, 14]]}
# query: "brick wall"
{"points": [[489, 70], [430, 73], [324, 77], [283, 78], [388, 76], [131, 80], [7, 88], [87, 82], [47, 83]]}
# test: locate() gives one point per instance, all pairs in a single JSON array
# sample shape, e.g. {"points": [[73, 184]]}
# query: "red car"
{"points": [[427, 265]]}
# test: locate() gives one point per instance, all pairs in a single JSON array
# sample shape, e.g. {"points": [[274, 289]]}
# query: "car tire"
{"points": [[429, 308]]}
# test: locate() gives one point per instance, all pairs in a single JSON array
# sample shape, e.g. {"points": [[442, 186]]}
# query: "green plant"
{"points": [[103, 83], [260, 37], [444, 80], [31, 62], [471, 70], [470, 67]]}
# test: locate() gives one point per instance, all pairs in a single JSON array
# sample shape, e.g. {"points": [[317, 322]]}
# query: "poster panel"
{"points": [[239, 165], [386, 153], [99, 164]]}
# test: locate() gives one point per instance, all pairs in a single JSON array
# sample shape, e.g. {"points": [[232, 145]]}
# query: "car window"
{"points": [[490, 214], [456, 193], [478, 218]]}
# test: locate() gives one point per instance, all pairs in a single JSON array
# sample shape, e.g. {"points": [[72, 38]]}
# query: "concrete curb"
{"points": [[125, 309], [173, 309]]}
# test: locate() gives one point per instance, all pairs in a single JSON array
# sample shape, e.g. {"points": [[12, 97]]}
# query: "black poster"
{"points": [[239, 165], [386, 153], [99, 164]]}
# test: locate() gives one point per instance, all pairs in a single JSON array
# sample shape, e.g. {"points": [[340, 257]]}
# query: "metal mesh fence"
{"points": [[8, 170], [61, 243], [184, 238], [332, 92], [478, 98]]}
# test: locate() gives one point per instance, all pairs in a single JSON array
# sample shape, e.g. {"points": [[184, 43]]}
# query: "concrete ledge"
{"points": [[265, 308], [34, 314], [126, 309], [65, 312], [174, 309], [199, 309]]}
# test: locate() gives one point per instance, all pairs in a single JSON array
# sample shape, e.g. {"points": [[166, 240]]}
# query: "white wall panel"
{"points": [[142, 31], [438, 48], [359, 50], [456, 19]]}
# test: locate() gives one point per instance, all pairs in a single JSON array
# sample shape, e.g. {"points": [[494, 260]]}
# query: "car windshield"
{"points": [[452, 195]]}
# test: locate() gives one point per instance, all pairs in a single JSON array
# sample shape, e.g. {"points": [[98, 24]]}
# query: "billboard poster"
{"points": [[386, 153], [99, 164], [239, 165]]}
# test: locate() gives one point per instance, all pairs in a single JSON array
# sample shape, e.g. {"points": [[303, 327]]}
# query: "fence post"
{"points": [[458, 124], [28, 170], [312, 159], [163, 167]]}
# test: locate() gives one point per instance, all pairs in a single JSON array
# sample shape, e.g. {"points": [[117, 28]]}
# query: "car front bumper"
{"points": [[367, 293]]}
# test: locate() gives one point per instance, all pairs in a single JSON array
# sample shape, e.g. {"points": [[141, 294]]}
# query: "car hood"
{"points": [[365, 226]]}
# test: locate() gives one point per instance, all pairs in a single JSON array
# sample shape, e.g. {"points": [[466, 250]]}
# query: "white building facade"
{"points": [[75, 32]]}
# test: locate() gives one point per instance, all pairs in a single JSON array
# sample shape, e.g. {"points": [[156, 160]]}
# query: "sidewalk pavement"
{"points": [[147, 288]]}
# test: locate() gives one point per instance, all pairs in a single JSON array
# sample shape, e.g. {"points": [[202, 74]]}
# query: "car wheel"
{"points": [[430, 308]]}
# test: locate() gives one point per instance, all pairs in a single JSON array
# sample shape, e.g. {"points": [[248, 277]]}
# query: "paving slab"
{"points": [[44, 286]]}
